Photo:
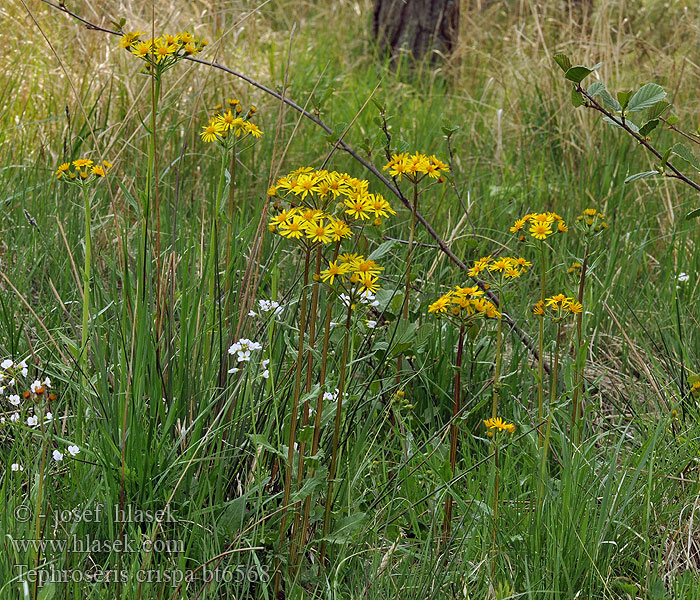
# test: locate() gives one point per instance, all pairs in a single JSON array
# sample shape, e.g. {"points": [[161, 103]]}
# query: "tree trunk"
{"points": [[422, 28]]}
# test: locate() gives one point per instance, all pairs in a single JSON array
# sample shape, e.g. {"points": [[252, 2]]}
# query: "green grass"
{"points": [[162, 428]]}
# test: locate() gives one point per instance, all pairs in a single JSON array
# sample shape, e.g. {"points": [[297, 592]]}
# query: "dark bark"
{"points": [[422, 28]]}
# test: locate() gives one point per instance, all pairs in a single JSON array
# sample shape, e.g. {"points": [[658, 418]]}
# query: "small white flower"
{"points": [[345, 299], [14, 417], [331, 396], [16, 467], [252, 313], [32, 421], [371, 324], [266, 374], [244, 356], [234, 370], [73, 450], [6, 364], [2, 419], [265, 362], [49, 416], [47, 382], [333, 324], [36, 385], [683, 277], [14, 399], [57, 456]]}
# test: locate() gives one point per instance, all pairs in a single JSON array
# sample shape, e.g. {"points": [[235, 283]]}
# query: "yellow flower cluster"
{"points": [[591, 221], [307, 188], [464, 303], [498, 424], [694, 383], [84, 171], [163, 51], [310, 225], [416, 166], [226, 127], [502, 268], [574, 269], [355, 269], [540, 225], [558, 306]]}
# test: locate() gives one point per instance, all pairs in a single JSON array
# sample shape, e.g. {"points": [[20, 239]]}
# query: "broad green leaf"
{"points": [[648, 127], [664, 158], [382, 250], [563, 61], [596, 88], [346, 528], [658, 109], [576, 98], [610, 101], [646, 96], [693, 214], [623, 98], [578, 74], [641, 176], [672, 120], [629, 124], [686, 154]]}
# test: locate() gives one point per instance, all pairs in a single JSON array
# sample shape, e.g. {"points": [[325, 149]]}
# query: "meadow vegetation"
{"points": [[246, 351]]}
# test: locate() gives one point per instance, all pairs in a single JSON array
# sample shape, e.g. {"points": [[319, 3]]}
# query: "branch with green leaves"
{"points": [[639, 113]]}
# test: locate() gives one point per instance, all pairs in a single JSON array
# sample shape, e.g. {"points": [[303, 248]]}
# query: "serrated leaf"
{"points": [[658, 109], [629, 124], [648, 127], [641, 175], [563, 61], [686, 154], [609, 101], [596, 88], [693, 214], [578, 74], [646, 96]]}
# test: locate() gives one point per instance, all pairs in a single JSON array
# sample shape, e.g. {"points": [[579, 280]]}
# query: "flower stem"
{"points": [[336, 433], [578, 373], [86, 305], [409, 258], [540, 357], [456, 405], [497, 369]]}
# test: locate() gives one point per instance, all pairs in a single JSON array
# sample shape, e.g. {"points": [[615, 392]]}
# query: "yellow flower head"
{"points": [[498, 424], [540, 230]]}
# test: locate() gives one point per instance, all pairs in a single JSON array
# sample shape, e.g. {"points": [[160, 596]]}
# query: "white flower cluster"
{"points": [[73, 450], [9, 371], [267, 306], [365, 298], [242, 348]]}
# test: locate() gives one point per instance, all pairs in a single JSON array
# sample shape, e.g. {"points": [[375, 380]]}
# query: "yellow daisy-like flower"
{"points": [[141, 49], [538, 309], [556, 301], [357, 208], [82, 162], [574, 307], [517, 226], [212, 132], [499, 424], [334, 270], [98, 170], [367, 267], [352, 258], [318, 233], [162, 49], [62, 170], [253, 129], [368, 284], [441, 304], [339, 230], [292, 229], [540, 230]]}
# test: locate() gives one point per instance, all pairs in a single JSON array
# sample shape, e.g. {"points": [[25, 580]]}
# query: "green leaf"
{"points": [[641, 176], [609, 101], [658, 109], [382, 250], [623, 98], [646, 96], [672, 120], [648, 127], [578, 74], [693, 214], [597, 87], [664, 158], [346, 529], [563, 61], [576, 98], [629, 124], [686, 154]]}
